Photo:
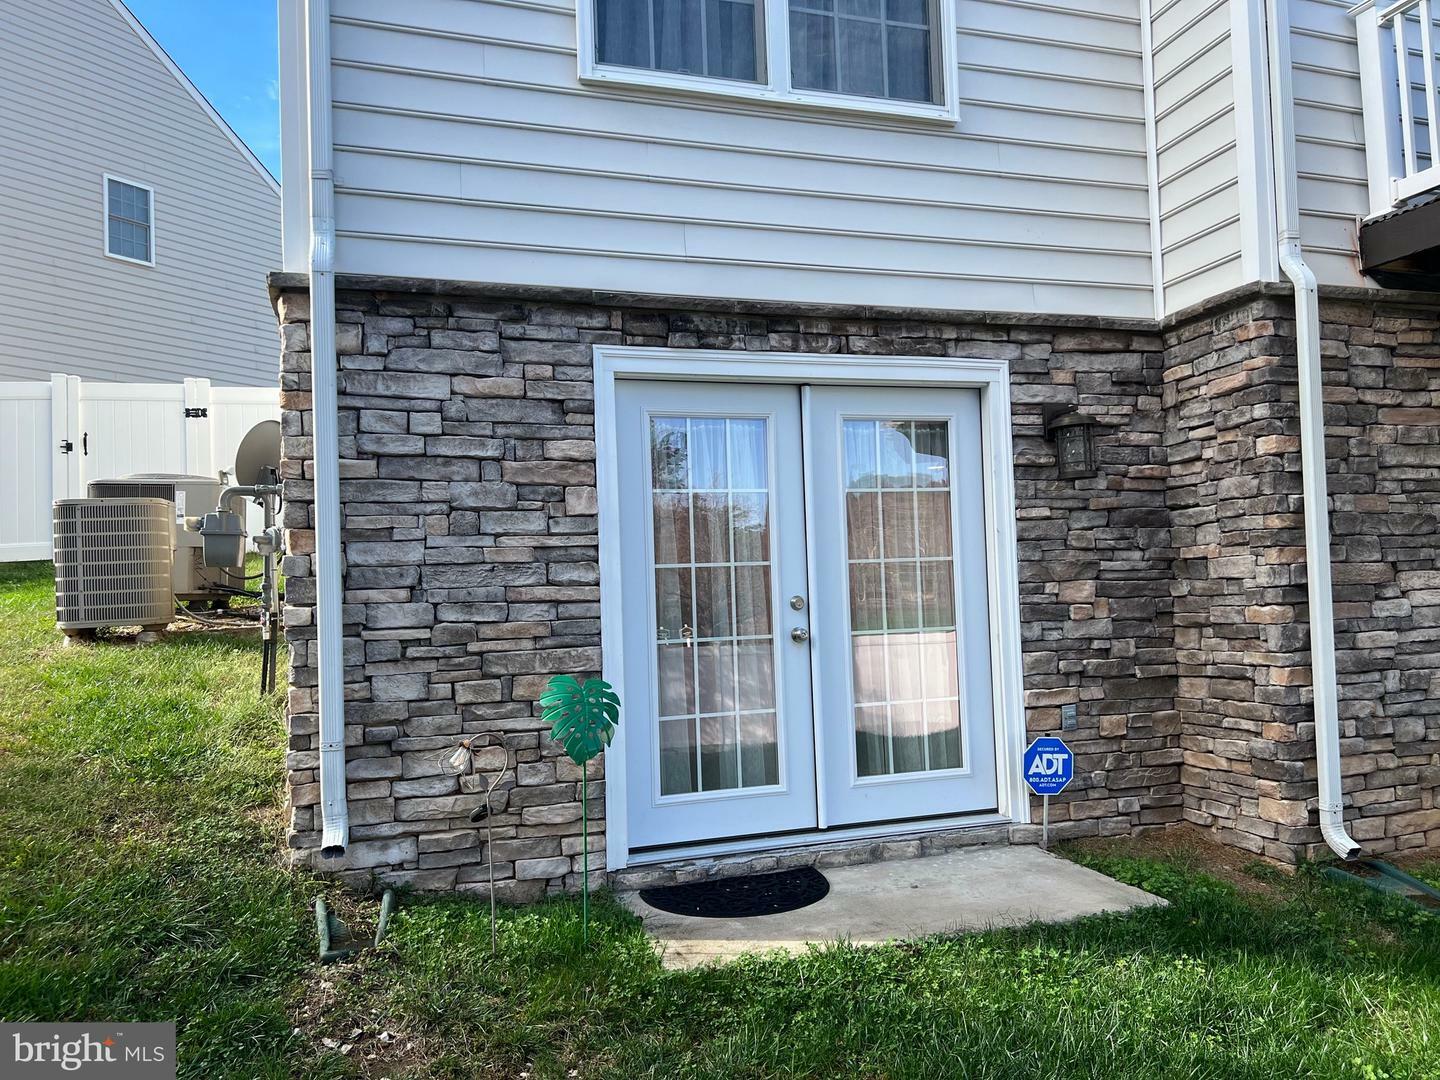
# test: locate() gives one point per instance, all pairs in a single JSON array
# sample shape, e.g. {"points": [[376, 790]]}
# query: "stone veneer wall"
{"points": [[1241, 613], [467, 469]]}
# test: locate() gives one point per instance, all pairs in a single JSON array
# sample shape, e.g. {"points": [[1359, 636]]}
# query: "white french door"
{"points": [[718, 735], [747, 713], [904, 702]]}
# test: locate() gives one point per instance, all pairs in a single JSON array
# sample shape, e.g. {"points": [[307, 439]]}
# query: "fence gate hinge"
{"points": [[196, 414]]}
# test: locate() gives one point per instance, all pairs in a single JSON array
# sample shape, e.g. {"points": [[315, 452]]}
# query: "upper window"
{"points": [[877, 48], [891, 56], [129, 221], [715, 38]]}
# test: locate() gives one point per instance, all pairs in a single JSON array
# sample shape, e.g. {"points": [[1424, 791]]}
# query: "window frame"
{"points": [[776, 85], [111, 178]]}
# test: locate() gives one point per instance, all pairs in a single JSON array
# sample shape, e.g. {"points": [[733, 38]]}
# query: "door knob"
{"points": [[799, 635]]}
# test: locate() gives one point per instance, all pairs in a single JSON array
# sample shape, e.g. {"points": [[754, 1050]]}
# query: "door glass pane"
{"points": [[903, 643], [715, 646]]}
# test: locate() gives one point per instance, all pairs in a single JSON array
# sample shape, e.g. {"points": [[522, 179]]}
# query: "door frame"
{"points": [[990, 377]]}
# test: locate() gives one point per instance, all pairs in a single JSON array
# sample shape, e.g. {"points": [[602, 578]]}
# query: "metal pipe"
{"points": [[241, 491], [327, 568], [1312, 439]]}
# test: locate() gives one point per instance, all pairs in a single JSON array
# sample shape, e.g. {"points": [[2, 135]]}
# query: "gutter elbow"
{"points": [[1336, 838]]}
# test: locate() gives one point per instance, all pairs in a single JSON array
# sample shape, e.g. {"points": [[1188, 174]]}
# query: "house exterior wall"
{"points": [[1197, 160], [1241, 624], [467, 149], [85, 95], [495, 163], [1329, 137], [1165, 597], [467, 456]]}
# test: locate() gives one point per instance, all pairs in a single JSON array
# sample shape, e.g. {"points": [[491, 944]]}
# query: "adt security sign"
{"points": [[1049, 766]]}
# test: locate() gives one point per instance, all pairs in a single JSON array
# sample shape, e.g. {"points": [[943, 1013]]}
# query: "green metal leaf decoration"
{"points": [[581, 718]]}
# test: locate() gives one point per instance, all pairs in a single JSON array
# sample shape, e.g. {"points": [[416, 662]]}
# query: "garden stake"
{"points": [[585, 853], [462, 761], [582, 720]]}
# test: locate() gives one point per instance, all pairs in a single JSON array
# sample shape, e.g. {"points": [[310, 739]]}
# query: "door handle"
{"points": [[799, 635]]}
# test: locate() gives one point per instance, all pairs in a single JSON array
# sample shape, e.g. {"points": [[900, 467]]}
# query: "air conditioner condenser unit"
{"points": [[113, 563], [191, 498]]}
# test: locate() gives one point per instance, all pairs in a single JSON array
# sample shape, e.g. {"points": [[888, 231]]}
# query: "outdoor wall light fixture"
{"points": [[1074, 436]]}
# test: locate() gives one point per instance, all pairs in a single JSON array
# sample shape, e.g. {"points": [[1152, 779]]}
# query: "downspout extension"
{"points": [[328, 569], [1312, 440]]}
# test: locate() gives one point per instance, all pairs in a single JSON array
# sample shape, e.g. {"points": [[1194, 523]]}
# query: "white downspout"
{"points": [[334, 808], [1312, 438]]}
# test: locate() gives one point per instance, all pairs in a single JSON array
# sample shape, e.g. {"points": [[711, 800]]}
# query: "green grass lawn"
{"points": [[140, 880]]}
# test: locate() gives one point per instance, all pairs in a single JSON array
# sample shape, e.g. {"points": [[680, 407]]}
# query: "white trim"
{"points": [[193, 91], [816, 600], [1407, 187], [774, 65], [294, 137], [1152, 160], [991, 377], [1380, 106], [106, 180], [1259, 254], [612, 619]]}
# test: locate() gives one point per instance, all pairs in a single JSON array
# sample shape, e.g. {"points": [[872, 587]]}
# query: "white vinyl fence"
{"points": [[57, 436]]}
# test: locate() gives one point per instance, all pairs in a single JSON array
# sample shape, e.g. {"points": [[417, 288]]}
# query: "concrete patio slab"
{"points": [[971, 889]]}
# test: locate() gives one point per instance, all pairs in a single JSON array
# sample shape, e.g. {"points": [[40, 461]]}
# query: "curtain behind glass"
{"points": [[874, 48], [716, 38]]}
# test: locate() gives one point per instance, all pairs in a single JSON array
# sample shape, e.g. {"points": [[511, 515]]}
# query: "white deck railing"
{"points": [[1402, 138]]}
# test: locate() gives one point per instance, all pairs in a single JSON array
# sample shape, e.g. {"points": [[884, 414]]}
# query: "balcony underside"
{"points": [[1401, 249]]}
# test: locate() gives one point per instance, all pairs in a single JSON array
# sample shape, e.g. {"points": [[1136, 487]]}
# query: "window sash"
{"points": [[667, 36], [901, 90], [841, 68], [129, 221]]}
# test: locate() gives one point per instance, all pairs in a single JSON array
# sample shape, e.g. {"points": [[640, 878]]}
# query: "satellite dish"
{"points": [[259, 451]]}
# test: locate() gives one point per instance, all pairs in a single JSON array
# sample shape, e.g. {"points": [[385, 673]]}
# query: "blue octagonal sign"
{"points": [[1049, 766]]}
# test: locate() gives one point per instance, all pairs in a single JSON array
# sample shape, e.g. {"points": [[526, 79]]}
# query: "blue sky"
{"points": [[227, 47]]}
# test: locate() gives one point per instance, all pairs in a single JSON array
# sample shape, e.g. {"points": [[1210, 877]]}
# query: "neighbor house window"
{"points": [[129, 221], [890, 56]]}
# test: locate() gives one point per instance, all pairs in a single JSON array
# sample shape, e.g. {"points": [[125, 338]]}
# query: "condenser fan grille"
{"points": [[130, 489], [113, 562]]}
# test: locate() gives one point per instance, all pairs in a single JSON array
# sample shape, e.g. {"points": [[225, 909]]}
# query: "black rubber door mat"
{"points": [[742, 897]]}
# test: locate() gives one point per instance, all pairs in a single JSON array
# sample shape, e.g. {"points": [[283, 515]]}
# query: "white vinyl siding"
{"points": [[1200, 231], [94, 100], [496, 164], [1329, 138]]}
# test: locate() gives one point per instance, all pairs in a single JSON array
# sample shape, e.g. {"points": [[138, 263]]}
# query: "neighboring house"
{"points": [[879, 385], [137, 228]]}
